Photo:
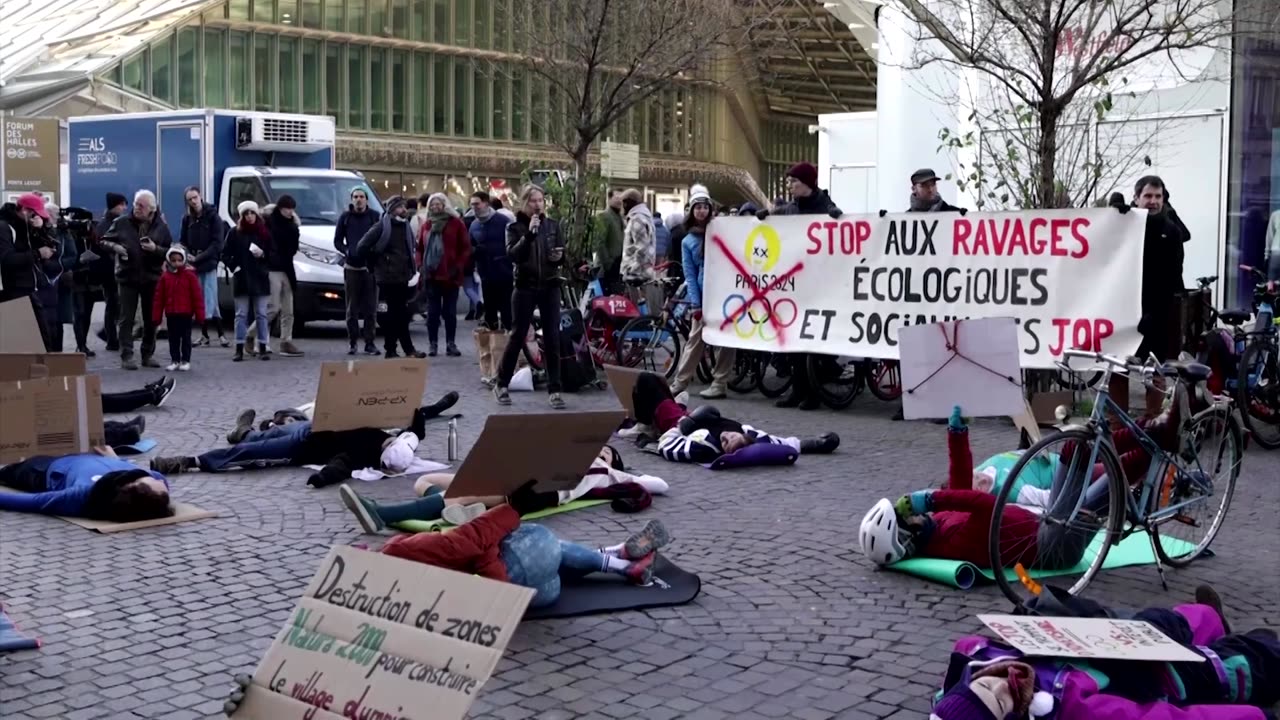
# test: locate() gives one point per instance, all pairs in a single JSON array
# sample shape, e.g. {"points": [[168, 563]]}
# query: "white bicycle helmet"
{"points": [[878, 535]]}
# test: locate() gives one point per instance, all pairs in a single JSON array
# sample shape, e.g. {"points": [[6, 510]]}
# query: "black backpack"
{"points": [[577, 370]]}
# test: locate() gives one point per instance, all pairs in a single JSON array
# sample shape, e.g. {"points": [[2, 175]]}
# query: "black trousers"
{"points": [[28, 475], [128, 401], [396, 326], [497, 302], [116, 433], [180, 327], [523, 303], [82, 302], [801, 384], [111, 316], [133, 297]]}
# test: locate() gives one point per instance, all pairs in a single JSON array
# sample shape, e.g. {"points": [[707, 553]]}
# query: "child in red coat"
{"points": [[178, 297]]}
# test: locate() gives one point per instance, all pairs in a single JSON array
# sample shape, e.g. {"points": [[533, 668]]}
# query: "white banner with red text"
{"points": [[808, 283]]}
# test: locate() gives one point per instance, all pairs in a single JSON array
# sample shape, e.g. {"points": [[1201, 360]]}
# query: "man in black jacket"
{"points": [[139, 241], [388, 247], [359, 287], [202, 234], [283, 224], [19, 255], [117, 205], [1162, 258], [924, 193], [806, 199]]}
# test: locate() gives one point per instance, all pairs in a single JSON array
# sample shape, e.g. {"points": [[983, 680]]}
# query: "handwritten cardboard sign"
{"points": [[369, 393], [970, 363], [376, 634], [556, 449], [1088, 638]]}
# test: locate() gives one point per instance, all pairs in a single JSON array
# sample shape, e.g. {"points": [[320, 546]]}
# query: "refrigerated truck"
{"points": [[231, 156]]}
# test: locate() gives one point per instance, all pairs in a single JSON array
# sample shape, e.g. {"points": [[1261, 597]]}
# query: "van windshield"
{"points": [[321, 199]]}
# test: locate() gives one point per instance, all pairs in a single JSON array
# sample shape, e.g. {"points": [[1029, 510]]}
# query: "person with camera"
{"points": [[139, 241], [21, 253], [87, 272], [59, 272]]}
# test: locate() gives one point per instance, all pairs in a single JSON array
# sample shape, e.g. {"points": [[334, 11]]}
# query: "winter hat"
{"points": [[805, 173], [392, 204], [698, 193], [248, 206], [398, 456], [176, 249], [115, 200]]}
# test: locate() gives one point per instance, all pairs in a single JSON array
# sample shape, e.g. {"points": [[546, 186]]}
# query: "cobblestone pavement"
{"points": [[791, 621]]}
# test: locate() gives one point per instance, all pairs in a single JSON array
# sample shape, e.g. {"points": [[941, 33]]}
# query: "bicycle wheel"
{"points": [[774, 376], [836, 379], [649, 344], [1215, 448], [884, 379], [598, 329], [1259, 392], [1076, 522], [746, 367]]}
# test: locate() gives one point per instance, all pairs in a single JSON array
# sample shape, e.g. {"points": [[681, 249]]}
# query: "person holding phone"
{"points": [[244, 253], [139, 241], [536, 248]]}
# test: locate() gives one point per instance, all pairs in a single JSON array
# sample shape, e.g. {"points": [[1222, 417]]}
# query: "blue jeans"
{"points": [[472, 289], [536, 558], [274, 446], [259, 312]]}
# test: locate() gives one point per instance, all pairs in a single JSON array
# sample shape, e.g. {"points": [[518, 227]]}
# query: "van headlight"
{"points": [[320, 255]]}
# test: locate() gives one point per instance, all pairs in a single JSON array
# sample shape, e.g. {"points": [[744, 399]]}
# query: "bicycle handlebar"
{"points": [[1100, 357]]}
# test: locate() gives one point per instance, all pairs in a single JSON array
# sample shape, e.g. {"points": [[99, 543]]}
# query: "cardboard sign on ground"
{"points": [[1088, 638], [970, 363], [369, 393], [622, 380], [19, 332], [29, 366], [377, 634], [556, 449], [182, 512], [50, 416]]}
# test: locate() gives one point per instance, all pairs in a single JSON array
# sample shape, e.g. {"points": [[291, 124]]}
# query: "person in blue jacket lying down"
{"points": [[96, 485]]}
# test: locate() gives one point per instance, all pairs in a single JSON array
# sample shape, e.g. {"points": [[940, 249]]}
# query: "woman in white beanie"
{"points": [[245, 254], [693, 256]]}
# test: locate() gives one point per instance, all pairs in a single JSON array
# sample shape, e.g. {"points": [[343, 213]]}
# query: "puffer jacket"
{"points": [[534, 268], [638, 245], [137, 267], [471, 548], [178, 292], [202, 236]]}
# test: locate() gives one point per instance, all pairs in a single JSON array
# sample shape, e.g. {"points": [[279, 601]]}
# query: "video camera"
{"points": [[76, 220]]}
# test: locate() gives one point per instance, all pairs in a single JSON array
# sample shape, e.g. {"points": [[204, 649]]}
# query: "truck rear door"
{"points": [[180, 163]]}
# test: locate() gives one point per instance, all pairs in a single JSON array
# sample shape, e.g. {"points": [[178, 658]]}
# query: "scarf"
{"points": [[922, 205], [433, 252]]}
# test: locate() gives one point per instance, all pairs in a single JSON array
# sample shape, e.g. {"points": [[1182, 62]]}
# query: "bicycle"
{"points": [[1258, 371], [1176, 484], [652, 342]]}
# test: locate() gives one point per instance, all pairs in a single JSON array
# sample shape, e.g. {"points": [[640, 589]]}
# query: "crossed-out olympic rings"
{"points": [[757, 316]]}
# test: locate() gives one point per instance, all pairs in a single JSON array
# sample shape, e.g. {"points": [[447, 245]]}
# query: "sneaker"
{"points": [[682, 398], [434, 351], [652, 537], [150, 362], [163, 390], [128, 363], [462, 514], [223, 341], [824, 444], [637, 430], [452, 350], [172, 366], [366, 511], [244, 424], [640, 572], [87, 352], [715, 391], [288, 349], [202, 342], [677, 388], [1206, 595], [184, 367], [370, 349], [352, 350], [556, 401], [173, 465], [502, 395]]}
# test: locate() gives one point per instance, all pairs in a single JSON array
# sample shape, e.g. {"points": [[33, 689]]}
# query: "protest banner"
{"points": [[1069, 278], [1088, 638], [377, 636]]}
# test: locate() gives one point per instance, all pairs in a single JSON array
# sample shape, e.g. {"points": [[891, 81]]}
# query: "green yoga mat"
{"points": [[1133, 550], [417, 526]]}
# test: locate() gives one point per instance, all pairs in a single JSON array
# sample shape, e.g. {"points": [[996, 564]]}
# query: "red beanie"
{"points": [[805, 173]]}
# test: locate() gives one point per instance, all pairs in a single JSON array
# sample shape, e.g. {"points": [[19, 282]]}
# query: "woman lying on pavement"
{"points": [[606, 469], [954, 523], [94, 485], [498, 546], [702, 435], [1239, 677], [339, 451]]}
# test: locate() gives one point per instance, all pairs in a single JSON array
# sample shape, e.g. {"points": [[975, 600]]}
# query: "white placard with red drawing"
{"points": [[808, 283], [1088, 638]]}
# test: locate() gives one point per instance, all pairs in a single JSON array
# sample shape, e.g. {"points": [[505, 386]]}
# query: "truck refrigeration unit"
{"points": [[231, 156]]}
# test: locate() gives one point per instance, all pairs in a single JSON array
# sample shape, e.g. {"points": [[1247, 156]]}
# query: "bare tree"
{"points": [[1047, 70]]}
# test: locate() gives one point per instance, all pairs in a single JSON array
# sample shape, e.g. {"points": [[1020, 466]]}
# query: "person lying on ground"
{"points": [[96, 485], [153, 393], [373, 516], [499, 546], [702, 435], [1239, 678], [340, 451], [954, 523]]}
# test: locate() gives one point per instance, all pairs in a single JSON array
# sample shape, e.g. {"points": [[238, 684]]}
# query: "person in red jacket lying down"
{"points": [[497, 545]]}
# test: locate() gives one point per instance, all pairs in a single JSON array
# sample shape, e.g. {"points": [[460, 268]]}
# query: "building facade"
{"points": [[429, 95]]}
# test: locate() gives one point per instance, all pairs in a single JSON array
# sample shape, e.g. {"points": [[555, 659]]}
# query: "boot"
{"points": [[1206, 595], [824, 444], [239, 353], [244, 424]]}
